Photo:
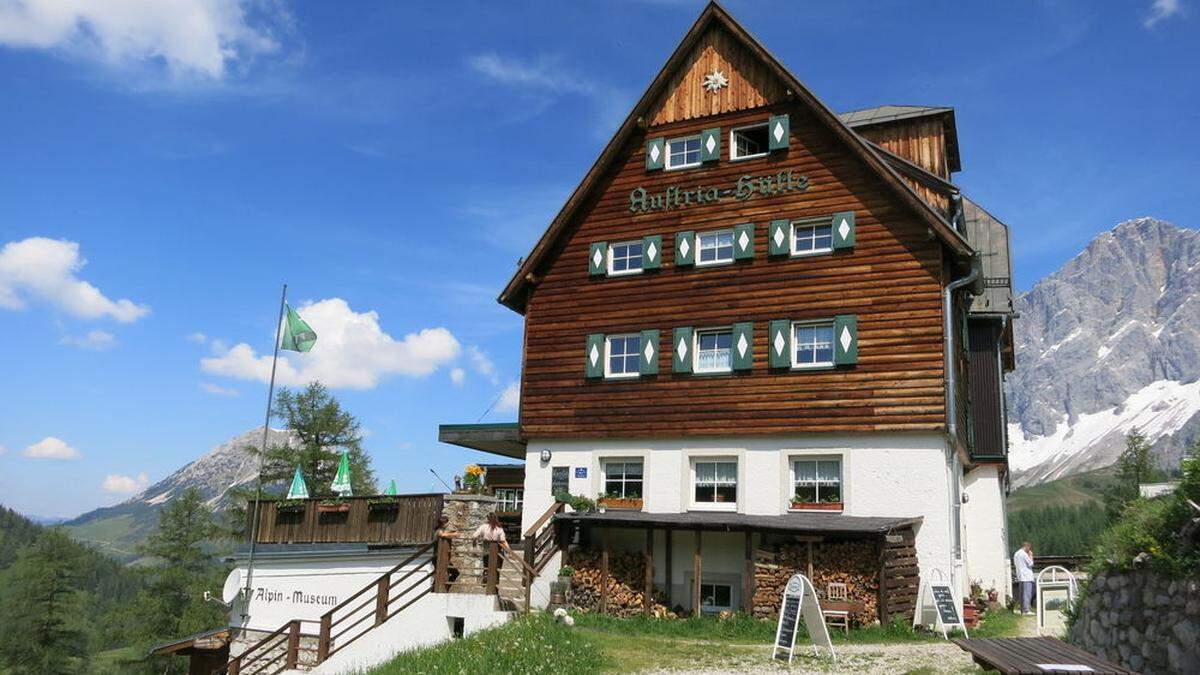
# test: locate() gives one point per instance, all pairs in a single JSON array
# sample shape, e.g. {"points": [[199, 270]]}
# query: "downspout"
{"points": [[952, 466]]}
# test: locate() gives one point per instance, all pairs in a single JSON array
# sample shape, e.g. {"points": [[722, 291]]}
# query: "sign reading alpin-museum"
{"points": [[746, 187]]}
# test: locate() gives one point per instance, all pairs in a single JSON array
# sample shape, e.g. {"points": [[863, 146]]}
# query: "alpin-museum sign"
{"points": [[641, 201]]}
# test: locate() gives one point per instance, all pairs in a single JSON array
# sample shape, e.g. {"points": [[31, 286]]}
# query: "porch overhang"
{"points": [[502, 439], [791, 523], [204, 641]]}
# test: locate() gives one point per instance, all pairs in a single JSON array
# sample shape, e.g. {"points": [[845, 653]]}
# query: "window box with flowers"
{"points": [[619, 503], [289, 505], [818, 485], [333, 506], [623, 480], [385, 503], [472, 480]]}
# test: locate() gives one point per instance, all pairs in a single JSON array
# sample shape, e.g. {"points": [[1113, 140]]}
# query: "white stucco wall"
{"points": [[888, 475], [985, 535]]}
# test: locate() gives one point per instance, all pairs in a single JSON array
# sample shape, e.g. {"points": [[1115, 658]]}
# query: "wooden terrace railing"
{"points": [[402, 519], [540, 544]]}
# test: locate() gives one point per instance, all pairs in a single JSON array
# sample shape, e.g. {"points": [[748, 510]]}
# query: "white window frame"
{"points": [[733, 151], [696, 367], [715, 609], [718, 261], [832, 346], [608, 374], [517, 499], [715, 506], [674, 167], [809, 223], [617, 273], [816, 459], [624, 480]]}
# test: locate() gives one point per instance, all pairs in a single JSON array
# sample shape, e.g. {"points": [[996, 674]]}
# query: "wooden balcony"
{"points": [[404, 519]]}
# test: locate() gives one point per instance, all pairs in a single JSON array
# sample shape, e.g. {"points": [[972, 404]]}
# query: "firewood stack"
{"points": [[854, 563], [626, 579]]}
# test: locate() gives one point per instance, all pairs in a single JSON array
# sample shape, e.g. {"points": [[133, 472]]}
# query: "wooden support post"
{"points": [[696, 580], [748, 576], [381, 599], [648, 592], [527, 575], [235, 666], [293, 648], [883, 608], [604, 580], [323, 638], [668, 546], [810, 561], [441, 583], [491, 569]]}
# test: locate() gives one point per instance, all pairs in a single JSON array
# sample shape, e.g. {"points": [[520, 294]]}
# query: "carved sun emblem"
{"points": [[715, 81]]}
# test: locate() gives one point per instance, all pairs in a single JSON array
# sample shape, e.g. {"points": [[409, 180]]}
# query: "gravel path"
{"points": [[878, 659]]}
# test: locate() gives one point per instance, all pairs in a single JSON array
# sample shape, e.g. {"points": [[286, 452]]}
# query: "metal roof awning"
{"points": [[796, 523], [502, 439]]}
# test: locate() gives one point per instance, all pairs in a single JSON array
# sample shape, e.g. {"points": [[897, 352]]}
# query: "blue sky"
{"points": [[392, 161]]}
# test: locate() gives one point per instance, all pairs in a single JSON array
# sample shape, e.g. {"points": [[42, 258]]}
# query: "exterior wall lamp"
{"points": [[545, 455]]}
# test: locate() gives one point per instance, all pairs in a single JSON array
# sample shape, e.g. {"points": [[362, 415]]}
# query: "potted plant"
{"points": [[335, 505], [825, 503], [383, 503], [472, 480], [289, 506], [560, 586], [613, 500]]}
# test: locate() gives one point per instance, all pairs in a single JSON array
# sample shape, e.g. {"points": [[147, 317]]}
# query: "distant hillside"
{"points": [[1061, 517], [1085, 489], [119, 529]]}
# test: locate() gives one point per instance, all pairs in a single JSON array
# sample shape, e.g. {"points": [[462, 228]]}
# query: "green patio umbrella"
{"points": [[299, 489], [391, 490], [341, 482]]}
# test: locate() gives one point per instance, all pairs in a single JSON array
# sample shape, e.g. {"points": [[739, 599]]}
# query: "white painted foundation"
{"points": [[985, 529]]}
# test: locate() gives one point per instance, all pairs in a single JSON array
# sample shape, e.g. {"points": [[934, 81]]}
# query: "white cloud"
{"points": [[198, 338], [51, 448], [96, 340], [184, 39], [352, 352], [1160, 10], [545, 72], [457, 376], [46, 270], [118, 484], [510, 398], [482, 364], [218, 390]]}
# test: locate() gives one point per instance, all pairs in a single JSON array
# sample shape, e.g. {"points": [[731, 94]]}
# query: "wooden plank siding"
{"points": [[413, 522], [921, 141], [892, 280]]}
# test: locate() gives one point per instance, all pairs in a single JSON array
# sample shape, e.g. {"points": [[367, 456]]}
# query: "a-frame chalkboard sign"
{"points": [[799, 600], [938, 604]]}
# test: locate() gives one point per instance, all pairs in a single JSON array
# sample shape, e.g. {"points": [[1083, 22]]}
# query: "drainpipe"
{"points": [[952, 466]]}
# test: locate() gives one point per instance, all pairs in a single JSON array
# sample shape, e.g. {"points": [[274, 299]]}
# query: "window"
{"points": [[716, 598], [624, 353], [715, 247], [625, 258], [817, 481], [716, 483], [623, 479], [509, 500], [811, 238], [560, 481], [683, 153], [748, 142], [712, 351], [813, 344]]}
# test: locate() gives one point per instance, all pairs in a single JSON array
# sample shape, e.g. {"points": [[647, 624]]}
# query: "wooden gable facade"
{"points": [[890, 281]]}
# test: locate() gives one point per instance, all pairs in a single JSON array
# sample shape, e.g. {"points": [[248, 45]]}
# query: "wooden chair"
{"points": [[838, 618]]}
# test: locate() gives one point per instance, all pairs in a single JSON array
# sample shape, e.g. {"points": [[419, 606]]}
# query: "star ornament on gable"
{"points": [[715, 81]]}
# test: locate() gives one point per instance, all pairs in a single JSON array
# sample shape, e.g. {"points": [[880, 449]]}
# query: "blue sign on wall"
{"points": [[581, 472]]}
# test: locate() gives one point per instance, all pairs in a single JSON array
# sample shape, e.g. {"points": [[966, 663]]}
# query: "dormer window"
{"points": [[749, 141], [683, 153]]}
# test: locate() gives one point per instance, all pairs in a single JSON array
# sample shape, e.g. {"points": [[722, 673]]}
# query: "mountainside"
{"points": [[118, 529], [1108, 343]]}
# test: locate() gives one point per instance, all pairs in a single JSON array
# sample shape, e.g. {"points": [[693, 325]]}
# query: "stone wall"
{"points": [[1142, 621], [466, 513]]}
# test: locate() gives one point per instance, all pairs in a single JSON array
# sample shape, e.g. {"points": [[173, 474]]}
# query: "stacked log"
{"points": [[901, 574], [626, 581], [854, 563]]}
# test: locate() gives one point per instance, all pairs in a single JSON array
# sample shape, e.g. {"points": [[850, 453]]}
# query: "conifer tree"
{"points": [[40, 604], [1134, 467]]}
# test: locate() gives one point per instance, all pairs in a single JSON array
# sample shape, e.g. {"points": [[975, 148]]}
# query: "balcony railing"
{"points": [[403, 519]]}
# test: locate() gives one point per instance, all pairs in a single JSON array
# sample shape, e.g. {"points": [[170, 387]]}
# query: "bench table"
{"points": [[1035, 655]]}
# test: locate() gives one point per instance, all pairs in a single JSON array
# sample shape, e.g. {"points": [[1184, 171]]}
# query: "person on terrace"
{"points": [[1023, 567]]}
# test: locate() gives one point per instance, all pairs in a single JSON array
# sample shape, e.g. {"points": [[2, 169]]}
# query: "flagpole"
{"points": [[262, 453]]}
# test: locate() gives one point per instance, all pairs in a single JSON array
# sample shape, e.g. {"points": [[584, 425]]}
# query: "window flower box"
{"points": [[289, 506], [333, 506], [816, 506], [383, 504], [621, 503]]}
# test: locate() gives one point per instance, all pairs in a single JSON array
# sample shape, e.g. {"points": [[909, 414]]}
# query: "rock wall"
{"points": [[1142, 621], [466, 513]]}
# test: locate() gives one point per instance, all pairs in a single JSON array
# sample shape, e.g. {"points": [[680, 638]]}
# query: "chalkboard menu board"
{"points": [[789, 618], [937, 605], [947, 608], [799, 602]]}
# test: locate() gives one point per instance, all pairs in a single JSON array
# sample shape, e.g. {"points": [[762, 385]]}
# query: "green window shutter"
{"points": [[681, 350], [598, 258], [594, 356], [743, 241], [778, 132], [779, 343], [710, 145], [779, 235], [843, 230], [655, 154], [743, 346], [649, 360], [845, 339], [685, 248], [652, 252]]}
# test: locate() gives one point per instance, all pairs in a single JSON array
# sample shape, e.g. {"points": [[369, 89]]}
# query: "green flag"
{"points": [[299, 489], [341, 482], [391, 491], [297, 335]]}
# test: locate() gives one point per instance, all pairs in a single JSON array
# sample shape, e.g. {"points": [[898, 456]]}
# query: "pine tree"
{"points": [[1134, 467], [40, 607]]}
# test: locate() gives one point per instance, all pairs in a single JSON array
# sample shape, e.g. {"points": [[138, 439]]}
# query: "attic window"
{"points": [[749, 141], [683, 153]]}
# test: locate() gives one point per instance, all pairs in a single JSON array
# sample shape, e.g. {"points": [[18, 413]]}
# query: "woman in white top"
{"points": [[492, 532]]}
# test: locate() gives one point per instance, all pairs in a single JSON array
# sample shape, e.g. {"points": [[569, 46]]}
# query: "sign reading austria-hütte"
{"points": [[744, 188]]}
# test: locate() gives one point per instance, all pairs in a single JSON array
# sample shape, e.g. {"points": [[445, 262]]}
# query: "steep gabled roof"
{"points": [[515, 293], [886, 114]]}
